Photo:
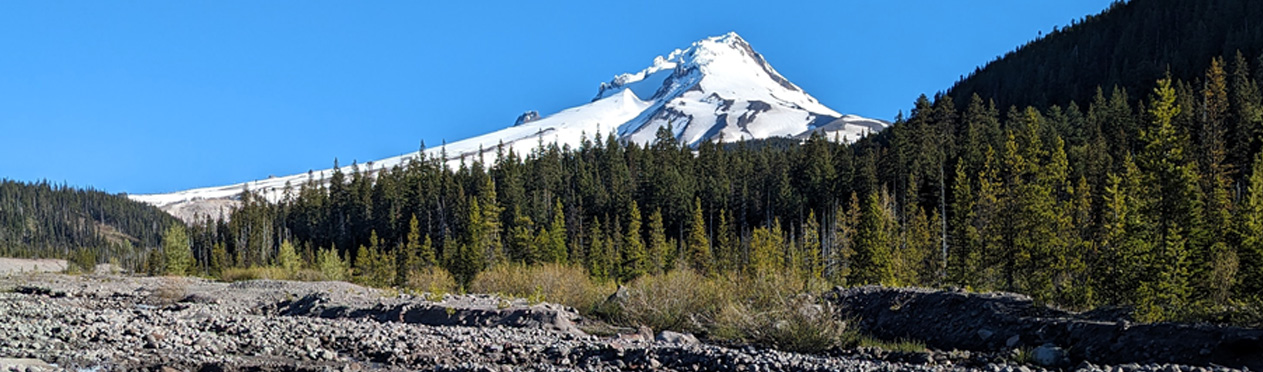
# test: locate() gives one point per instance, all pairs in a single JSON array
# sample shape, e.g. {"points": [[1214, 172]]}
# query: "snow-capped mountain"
{"points": [[718, 88]]}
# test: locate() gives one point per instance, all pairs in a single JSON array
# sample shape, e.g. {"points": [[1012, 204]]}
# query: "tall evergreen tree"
{"points": [[698, 243], [635, 256]]}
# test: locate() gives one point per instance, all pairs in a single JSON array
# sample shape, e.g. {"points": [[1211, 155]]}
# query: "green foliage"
{"points": [[698, 244], [287, 258], [177, 257], [873, 245], [765, 250], [331, 264], [635, 255]]}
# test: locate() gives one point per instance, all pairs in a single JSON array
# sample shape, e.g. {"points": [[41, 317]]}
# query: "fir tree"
{"points": [[698, 244], [635, 255], [1250, 230], [659, 250], [177, 256], [872, 263]]}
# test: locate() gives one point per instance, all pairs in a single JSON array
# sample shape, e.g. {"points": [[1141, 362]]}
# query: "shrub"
{"points": [[556, 283], [236, 274], [680, 300], [433, 280], [798, 323]]}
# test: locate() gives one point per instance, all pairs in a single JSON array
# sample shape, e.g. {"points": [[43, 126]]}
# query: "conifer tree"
{"points": [[331, 265], [177, 256], [659, 249], [1250, 231], [766, 244], [873, 256], [363, 266], [698, 244], [1175, 204], [635, 255], [813, 264], [727, 255], [598, 268], [287, 258], [845, 221], [522, 246], [555, 248], [964, 255]]}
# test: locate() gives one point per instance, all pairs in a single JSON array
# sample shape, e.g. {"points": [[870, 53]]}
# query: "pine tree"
{"points": [[287, 258], [766, 244], [1250, 230], [813, 264], [522, 246], [659, 250], [177, 256], [635, 255], [873, 256], [727, 254], [598, 246], [412, 255], [1176, 205], [845, 221], [698, 244], [965, 253], [331, 264], [362, 272], [555, 248]]}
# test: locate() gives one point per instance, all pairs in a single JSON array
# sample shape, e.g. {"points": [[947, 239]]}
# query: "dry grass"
{"points": [[772, 310], [566, 285], [680, 300], [435, 281], [251, 273]]}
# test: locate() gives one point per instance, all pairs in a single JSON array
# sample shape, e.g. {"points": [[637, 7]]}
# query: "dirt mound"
{"points": [[1005, 321]]}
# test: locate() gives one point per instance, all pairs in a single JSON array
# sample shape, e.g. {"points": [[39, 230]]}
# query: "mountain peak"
{"points": [[718, 88]]}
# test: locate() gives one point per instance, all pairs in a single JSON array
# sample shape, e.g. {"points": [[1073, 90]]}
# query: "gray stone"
{"points": [[676, 338], [1013, 341], [985, 334], [1049, 355]]}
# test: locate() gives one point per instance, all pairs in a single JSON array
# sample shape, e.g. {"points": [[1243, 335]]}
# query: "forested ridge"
{"points": [[1129, 45], [47, 220]]}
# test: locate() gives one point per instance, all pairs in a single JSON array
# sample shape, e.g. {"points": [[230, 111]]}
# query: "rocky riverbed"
{"points": [[108, 323]]}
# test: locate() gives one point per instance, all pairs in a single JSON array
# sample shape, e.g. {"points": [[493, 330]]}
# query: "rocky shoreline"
{"points": [[112, 323]]}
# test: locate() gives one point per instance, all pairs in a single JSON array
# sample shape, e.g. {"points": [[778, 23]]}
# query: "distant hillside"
{"points": [[45, 220], [1130, 45]]}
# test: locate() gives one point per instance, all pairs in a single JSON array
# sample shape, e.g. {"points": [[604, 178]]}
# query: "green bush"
{"points": [[432, 280]]}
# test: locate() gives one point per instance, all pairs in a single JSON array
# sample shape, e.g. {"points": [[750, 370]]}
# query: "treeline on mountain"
{"points": [[1130, 45], [1156, 205], [42, 220]]}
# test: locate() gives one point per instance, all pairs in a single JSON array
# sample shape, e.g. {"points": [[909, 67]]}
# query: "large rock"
{"points": [[1049, 355], [1000, 321], [676, 338]]}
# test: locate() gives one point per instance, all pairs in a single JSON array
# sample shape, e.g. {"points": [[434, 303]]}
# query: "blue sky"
{"points": [[159, 96]]}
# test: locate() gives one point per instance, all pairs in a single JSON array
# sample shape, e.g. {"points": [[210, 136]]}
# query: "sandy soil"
{"points": [[22, 265]]}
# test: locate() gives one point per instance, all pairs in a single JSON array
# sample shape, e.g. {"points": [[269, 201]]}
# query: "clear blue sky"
{"points": [[158, 96]]}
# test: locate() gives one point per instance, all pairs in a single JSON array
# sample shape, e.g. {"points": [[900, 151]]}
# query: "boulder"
{"points": [[676, 338]]}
